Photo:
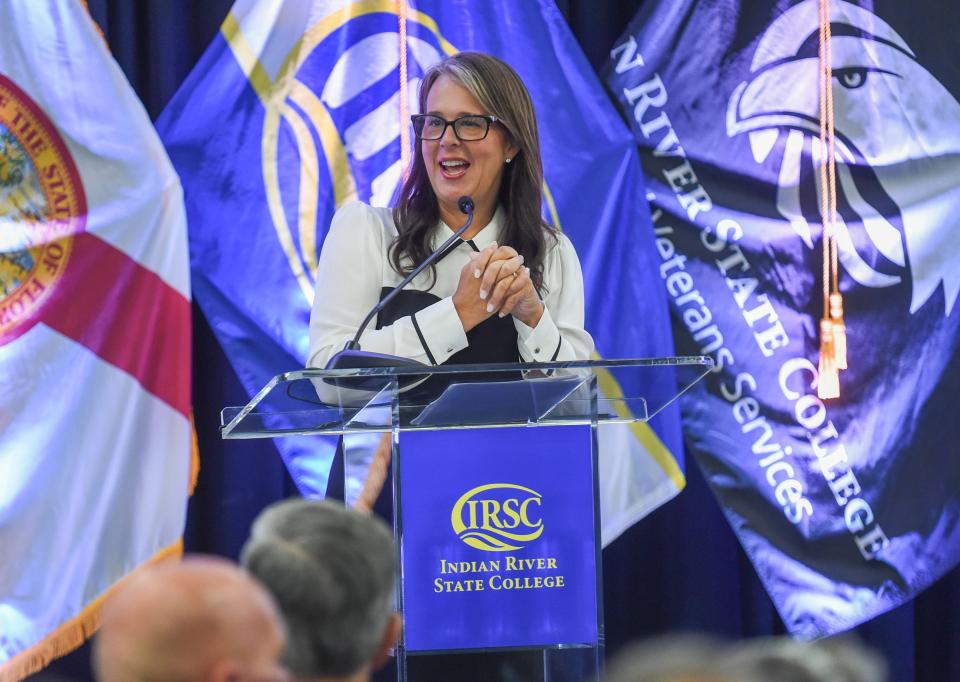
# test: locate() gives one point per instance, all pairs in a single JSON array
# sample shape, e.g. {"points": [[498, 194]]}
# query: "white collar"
{"points": [[490, 232]]}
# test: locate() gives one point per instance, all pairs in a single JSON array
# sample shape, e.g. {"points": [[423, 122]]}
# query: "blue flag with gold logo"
{"points": [[299, 107], [847, 506]]}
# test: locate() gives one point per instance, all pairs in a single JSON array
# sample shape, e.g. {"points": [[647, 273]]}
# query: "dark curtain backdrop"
{"points": [[680, 569]]}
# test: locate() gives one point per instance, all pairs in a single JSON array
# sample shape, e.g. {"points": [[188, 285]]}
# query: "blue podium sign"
{"points": [[498, 538]]}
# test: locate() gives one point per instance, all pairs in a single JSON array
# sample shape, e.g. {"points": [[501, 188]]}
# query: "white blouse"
{"points": [[355, 266]]}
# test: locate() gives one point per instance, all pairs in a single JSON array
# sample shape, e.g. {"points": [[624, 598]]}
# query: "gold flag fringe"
{"points": [[72, 634]]}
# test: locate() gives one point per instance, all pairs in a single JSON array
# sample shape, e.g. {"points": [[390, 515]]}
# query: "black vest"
{"points": [[493, 340]]}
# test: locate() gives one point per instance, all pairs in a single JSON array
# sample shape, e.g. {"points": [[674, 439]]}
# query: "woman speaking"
{"points": [[509, 290]]}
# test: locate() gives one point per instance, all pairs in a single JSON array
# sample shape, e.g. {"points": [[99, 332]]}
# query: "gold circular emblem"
{"points": [[42, 205]]}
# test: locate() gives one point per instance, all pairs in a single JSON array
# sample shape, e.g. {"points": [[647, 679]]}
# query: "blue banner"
{"points": [[498, 543], [846, 507], [296, 109]]}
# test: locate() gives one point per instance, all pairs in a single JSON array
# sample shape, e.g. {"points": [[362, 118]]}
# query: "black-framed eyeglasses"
{"points": [[469, 128]]}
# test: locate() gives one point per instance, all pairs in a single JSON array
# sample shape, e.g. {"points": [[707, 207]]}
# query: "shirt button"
{"points": [[536, 350], [450, 349]]}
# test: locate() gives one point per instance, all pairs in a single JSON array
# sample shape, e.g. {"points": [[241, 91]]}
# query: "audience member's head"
{"points": [[202, 620], [840, 659], [695, 658], [331, 572], [671, 658]]}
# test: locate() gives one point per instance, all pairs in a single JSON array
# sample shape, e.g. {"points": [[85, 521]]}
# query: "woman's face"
{"points": [[456, 168]]}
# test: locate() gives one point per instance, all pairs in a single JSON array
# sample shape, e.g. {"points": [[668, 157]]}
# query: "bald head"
{"points": [[202, 620]]}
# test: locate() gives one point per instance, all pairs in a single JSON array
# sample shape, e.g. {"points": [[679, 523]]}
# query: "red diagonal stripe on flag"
{"points": [[127, 315]]}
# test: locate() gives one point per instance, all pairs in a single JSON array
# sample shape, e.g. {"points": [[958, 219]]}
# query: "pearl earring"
{"points": [[509, 160]]}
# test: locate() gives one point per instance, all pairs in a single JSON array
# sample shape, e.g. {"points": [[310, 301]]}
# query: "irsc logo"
{"points": [[332, 127], [493, 517]]}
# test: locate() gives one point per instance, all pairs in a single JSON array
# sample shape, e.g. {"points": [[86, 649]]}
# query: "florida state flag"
{"points": [[95, 435]]}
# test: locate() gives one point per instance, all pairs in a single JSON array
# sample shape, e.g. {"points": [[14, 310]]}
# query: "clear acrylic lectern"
{"points": [[495, 498]]}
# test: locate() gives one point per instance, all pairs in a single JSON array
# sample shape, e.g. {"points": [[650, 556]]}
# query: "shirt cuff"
{"points": [[540, 343], [442, 330]]}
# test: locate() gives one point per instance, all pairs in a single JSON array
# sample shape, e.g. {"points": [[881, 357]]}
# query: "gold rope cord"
{"points": [[833, 338], [404, 90]]}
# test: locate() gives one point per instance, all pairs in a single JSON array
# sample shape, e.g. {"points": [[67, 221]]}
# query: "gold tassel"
{"points": [[829, 386], [839, 330]]}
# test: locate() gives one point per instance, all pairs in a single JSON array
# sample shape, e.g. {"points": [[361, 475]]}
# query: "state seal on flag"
{"points": [[42, 205]]}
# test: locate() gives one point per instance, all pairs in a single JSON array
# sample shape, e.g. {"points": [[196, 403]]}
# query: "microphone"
{"points": [[352, 357]]}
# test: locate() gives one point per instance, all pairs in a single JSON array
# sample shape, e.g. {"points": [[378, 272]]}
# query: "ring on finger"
{"points": [[503, 275]]}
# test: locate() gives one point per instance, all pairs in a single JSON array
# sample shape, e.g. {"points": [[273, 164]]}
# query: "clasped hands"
{"points": [[495, 281]]}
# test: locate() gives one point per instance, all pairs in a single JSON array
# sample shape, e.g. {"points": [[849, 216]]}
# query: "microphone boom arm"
{"points": [[466, 206]]}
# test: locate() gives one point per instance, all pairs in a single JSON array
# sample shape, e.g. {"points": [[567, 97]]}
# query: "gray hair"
{"points": [[331, 572], [838, 659], [672, 658], [669, 658]]}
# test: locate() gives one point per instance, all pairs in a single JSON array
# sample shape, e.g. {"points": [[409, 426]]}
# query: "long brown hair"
{"points": [[499, 90]]}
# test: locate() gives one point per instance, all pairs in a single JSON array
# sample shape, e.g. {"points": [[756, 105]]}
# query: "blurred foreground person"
{"points": [[331, 572], [695, 658], [202, 620], [672, 658], [838, 659]]}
